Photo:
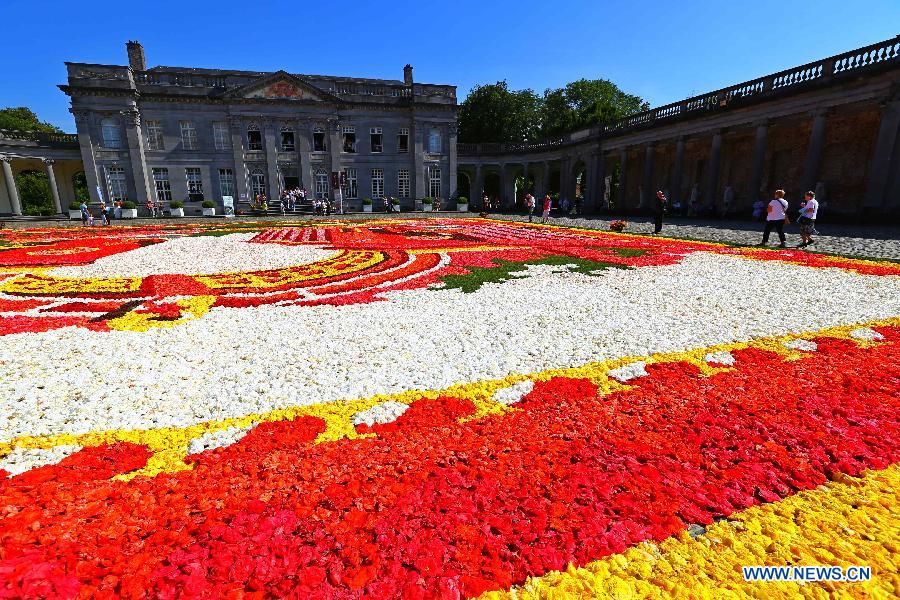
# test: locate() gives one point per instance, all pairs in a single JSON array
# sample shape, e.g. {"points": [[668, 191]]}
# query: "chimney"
{"points": [[136, 59], [407, 75]]}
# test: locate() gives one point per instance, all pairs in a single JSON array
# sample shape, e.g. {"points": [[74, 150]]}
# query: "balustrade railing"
{"points": [[40, 137]]}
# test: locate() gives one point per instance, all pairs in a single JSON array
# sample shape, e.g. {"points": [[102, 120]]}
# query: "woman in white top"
{"points": [[808, 219], [776, 216]]}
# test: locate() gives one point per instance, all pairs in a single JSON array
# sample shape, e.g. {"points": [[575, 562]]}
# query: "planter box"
{"points": [[129, 213], [209, 212], [462, 207], [367, 208], [396, 207], [428, 207], [75, 214], [176, 212]]}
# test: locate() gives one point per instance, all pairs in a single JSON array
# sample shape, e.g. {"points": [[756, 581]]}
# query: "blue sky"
{"points": [[661, 50]]}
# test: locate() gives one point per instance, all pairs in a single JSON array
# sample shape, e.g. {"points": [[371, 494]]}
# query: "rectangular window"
{"points": [[352, 184], [434, 181], [110, 133], [155, 139], [318, 140], [287, 141], [221, 137], [434, 141], [349, 134], [226, 182], [115, 181], [163, 189], [377, 183], [254, 139], [194, 184], [376, 138], [403, 183], [188, 135], [403, 141], [321, 184]]}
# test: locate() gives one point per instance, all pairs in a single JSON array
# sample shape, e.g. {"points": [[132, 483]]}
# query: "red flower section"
{"points": [[66, 252], [432, 507]]}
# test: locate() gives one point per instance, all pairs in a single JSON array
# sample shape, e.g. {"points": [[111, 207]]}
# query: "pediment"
{"points": [[281, 86]]}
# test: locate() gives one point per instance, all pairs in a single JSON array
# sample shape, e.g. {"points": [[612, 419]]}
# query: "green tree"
{"points": [[34, 190], [585, 103], [24, 119], [494, 113]]}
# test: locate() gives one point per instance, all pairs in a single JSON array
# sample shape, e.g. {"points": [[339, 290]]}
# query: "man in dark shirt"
{"points": [[659, 208]]}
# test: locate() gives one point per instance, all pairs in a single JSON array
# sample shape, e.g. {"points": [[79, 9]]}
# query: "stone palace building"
{"points": [[186, 134]]}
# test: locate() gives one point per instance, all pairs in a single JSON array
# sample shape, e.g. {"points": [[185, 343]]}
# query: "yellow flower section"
{"points": [[169, 445], [852, 521], [193, 307], [46, 285]]}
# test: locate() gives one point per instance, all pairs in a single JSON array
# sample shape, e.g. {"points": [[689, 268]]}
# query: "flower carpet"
{"points": [[443, 408]]}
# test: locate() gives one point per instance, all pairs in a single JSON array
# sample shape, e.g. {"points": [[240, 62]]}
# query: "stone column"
{"points": [[452, 130], [271, 136], [54, 189], [419, 184], [477, 190], [677, 170], [546, 177], [304, 147], [525, 189], [623, 179], [14, 203], [132, 118], [647, 186], [240, 167], [597, 183], [87, 153], [886, 154], [335, 147], [715, 158], [504, 187], [758, 165], [814, 151]]}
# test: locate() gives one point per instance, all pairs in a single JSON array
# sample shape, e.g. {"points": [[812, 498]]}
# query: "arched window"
{"points": [[111, 134], [254, 137], [257, 183], [434, 141], [321, 184]]}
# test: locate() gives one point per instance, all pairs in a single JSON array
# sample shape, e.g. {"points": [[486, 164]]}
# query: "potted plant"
{"points": [[367, 205], [428, 204], [618, 225], [209, 208], [462, 204], [129, 210], [75, 210], [395, 202], [176, 208]]}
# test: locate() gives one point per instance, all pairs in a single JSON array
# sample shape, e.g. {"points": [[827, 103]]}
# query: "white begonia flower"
{"points": [[384, 413], [722, 358], [21, 460], [629, 371], [801, 344], [866, 334], [514, 393]]}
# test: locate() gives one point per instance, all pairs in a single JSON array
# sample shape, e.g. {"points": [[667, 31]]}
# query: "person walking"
{"points": [[659, 209], [776, 218], [104, 216], [85, 213], [807, 219], [529, 204], [545, 214]]}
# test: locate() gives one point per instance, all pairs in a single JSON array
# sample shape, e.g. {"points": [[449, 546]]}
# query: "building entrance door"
{"points": [[291, 183]]}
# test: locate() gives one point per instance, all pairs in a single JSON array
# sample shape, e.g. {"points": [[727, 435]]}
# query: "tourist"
{"points": [[776, 218], [283, 201], [758, 209], [807, 220], [694, 202], [659, 208], [546, 209], [576, 207], [104, 218], [529, 204], [486, 204], [727, 201], [117, 213], [85, 213]]}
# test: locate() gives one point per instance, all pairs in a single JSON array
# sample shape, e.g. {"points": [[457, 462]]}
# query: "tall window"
{"points": [[188, 135], [352, 184], [287, 140], [163, 189], [321, 184], [434, 141], [220, 136], [377, 139], [155, 139], [403, 140], [403, 183], [226, 182], [254, 137], [377, 183], [318, 139], [434, 181], [349, 133], [110, 133], [194, 184], [115, 181], [257, 183]]}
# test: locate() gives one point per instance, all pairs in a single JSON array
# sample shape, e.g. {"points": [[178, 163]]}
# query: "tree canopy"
{"points": [[24, 119], [494, 113]]}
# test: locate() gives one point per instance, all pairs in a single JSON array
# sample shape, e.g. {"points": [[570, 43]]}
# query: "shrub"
{"points": [[128, 204], [395, 201], [367, 201], [74, 205], [428, 200], [462, 200], [208, 204], [176, 204]]}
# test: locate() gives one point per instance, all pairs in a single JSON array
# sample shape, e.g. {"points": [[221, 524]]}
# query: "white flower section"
{"points": [[217, 439], [198, 255], [24, 459], [629, 371], [514, 393], [803, 345], [866, 334], [233, 362], [384, 413], [720, 358]]}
